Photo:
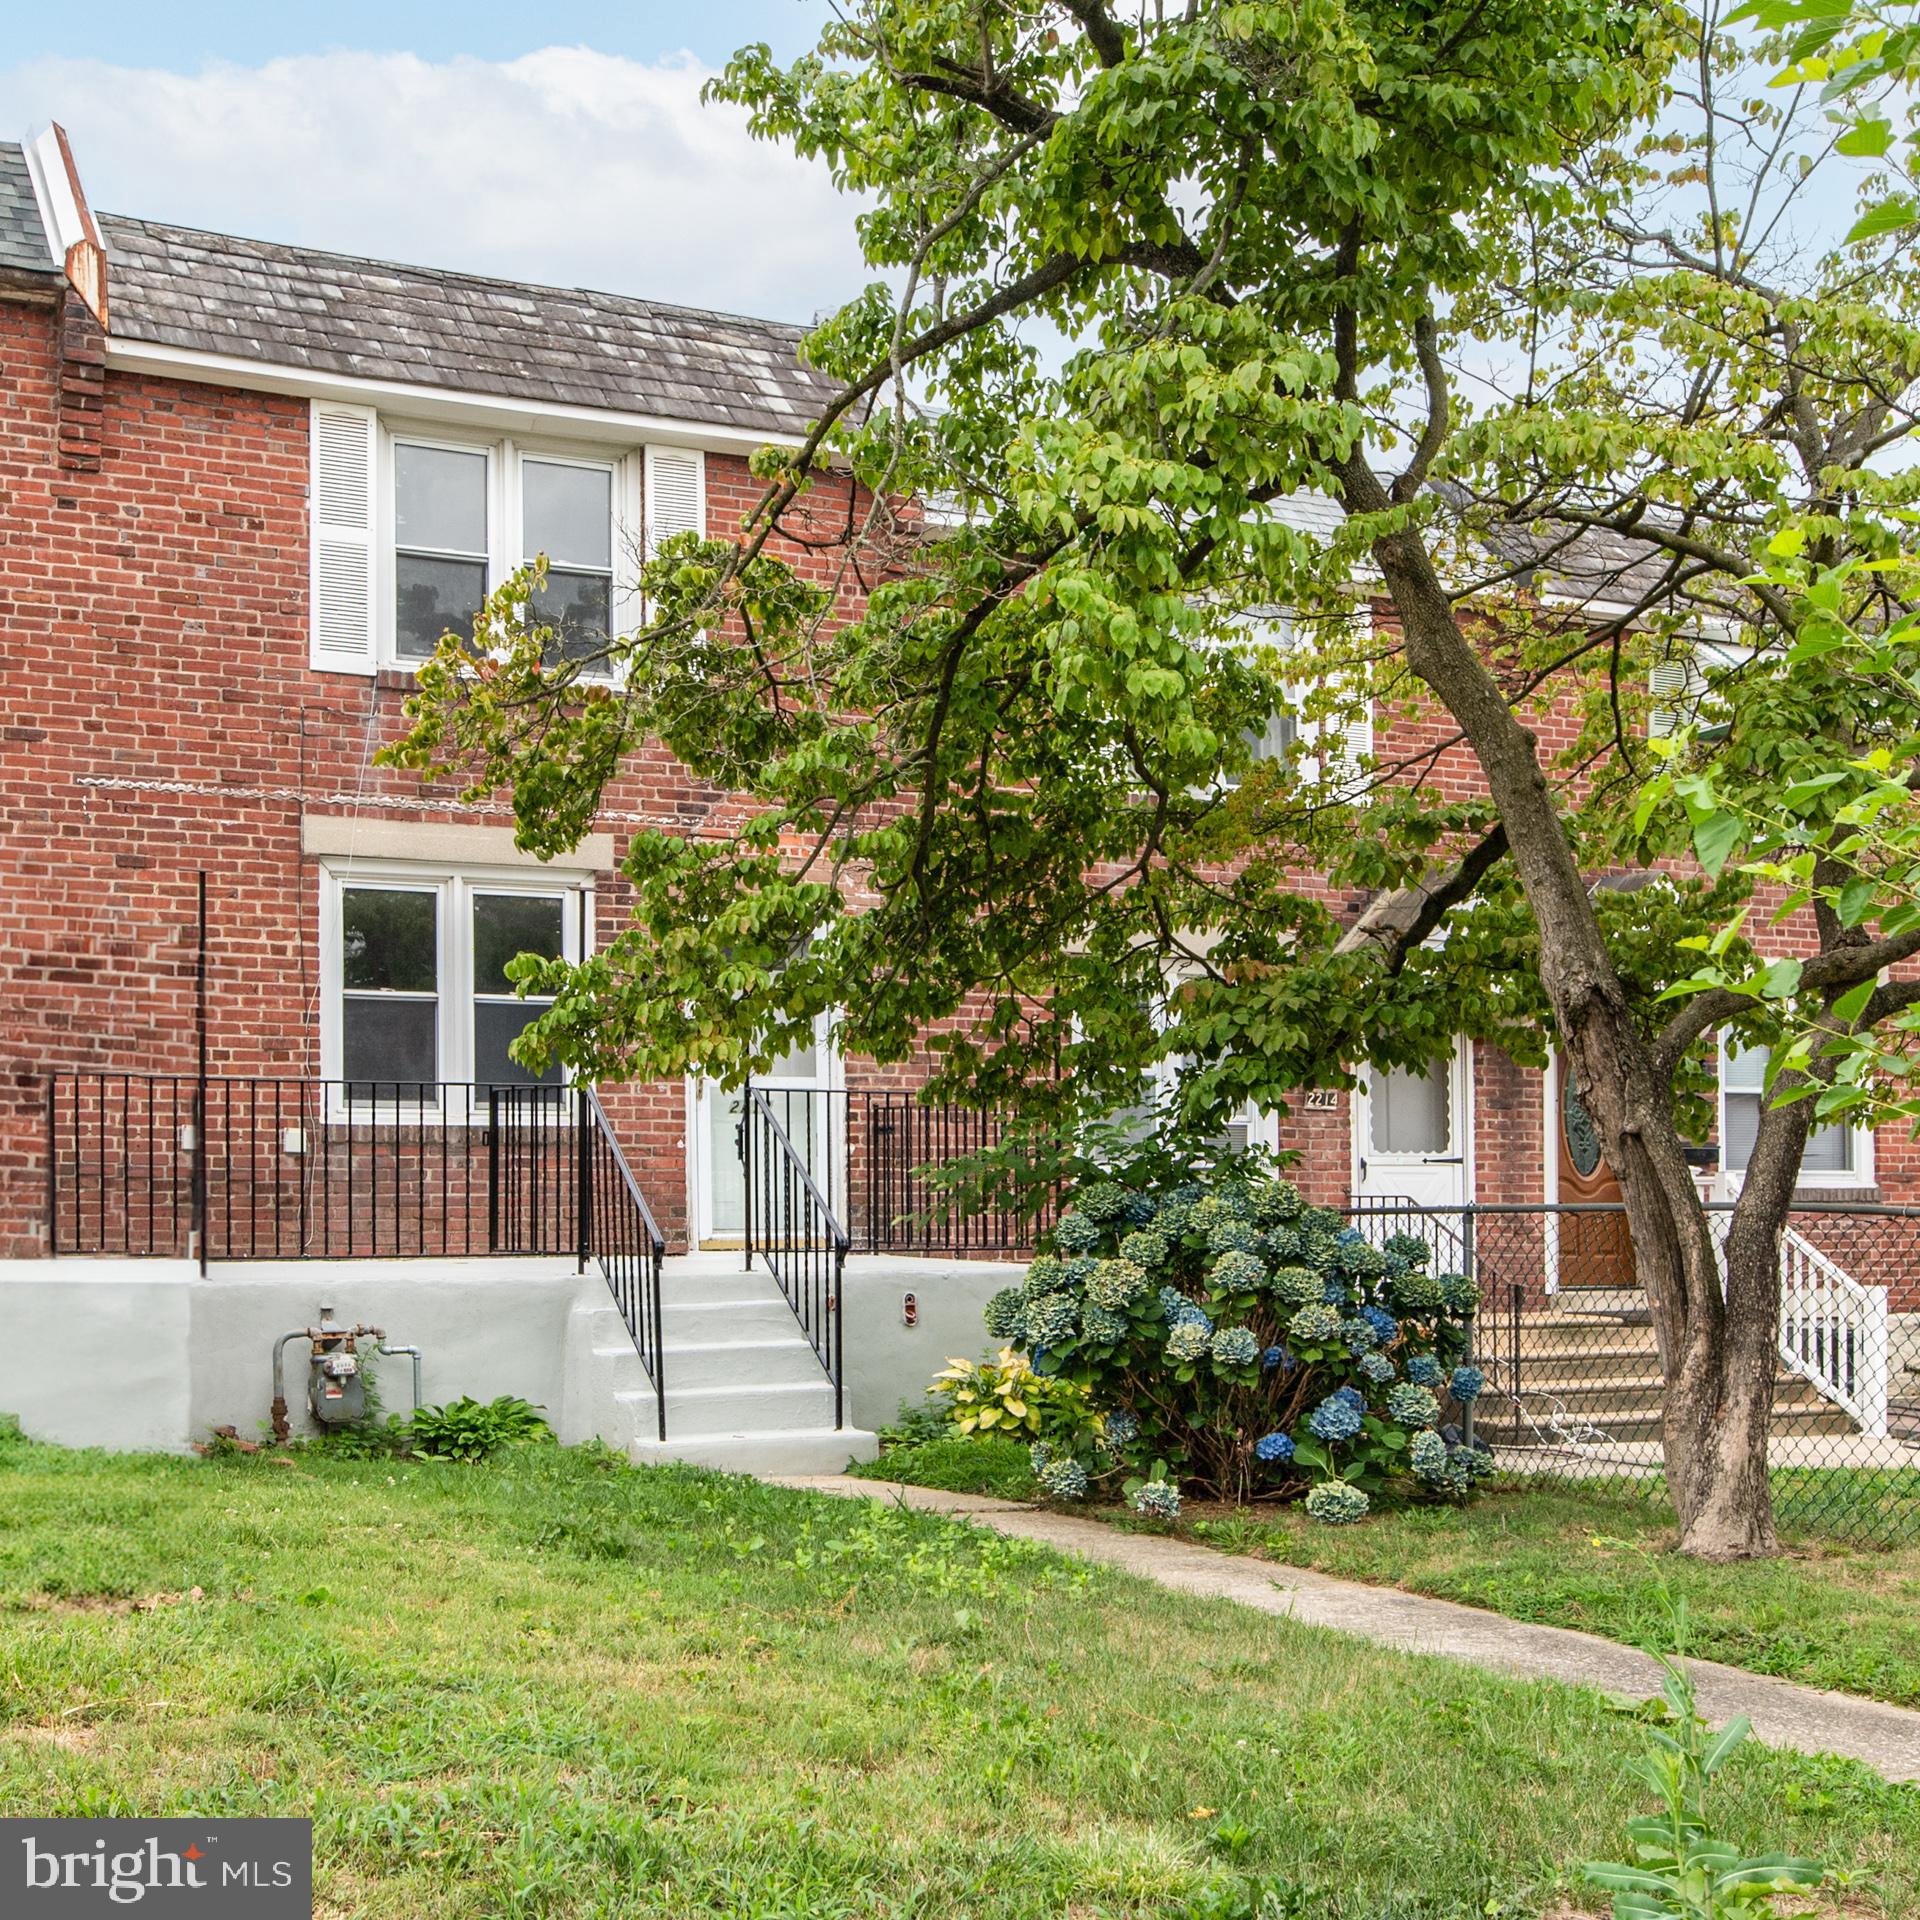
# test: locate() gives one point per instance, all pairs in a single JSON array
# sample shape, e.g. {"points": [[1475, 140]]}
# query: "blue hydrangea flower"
{"points": [[1424, 1370], [1416, 1293], [1187, 1340], [1382, 1322], [1273, 1201], [1174, 1215], [1064, 1479], [1045, 1274], [1191, 1314], [1336, 1293], [1353, 1397], [1335, 1503], [1359, 1335], [1276, 1357], [1237, 1272], [1459, 1295], [1334, 1419], [1116, 1283], [1316, 1325], [1157, 1500], [1003, 1314], [1299, 1286], [1413, 1406], [1102, 1201], [1359, 1259], [1235, 1347], [1103, 1325], [1377, 1367], [1146, 1247], [1427, 1458], [1049, 1320], [1408, 1249], [1076, 1233], [1122, 1427], [1466, 1384], [1038, 1455], [1079, 1270], [1173, 1303], [1285, 1246], [1274, 1448], [1138, 1210]]}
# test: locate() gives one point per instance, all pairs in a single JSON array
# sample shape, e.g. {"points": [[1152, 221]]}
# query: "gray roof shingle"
{"points": [[23, 241], [336, 313]]}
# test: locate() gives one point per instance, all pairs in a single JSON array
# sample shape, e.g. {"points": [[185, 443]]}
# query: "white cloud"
{"points": [[565, 165]]}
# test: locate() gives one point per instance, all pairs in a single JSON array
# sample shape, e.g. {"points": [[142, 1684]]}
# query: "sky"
{"points": [[556, 143]]}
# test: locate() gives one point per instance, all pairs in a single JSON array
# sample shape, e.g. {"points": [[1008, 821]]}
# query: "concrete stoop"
{"points": [[745, 1391]]}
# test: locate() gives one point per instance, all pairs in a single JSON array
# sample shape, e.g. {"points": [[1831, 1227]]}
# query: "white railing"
{"points": [[1834, 1332]]}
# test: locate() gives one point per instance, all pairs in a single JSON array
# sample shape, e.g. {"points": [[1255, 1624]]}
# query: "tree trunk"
{"points": [[1716, 1348]]}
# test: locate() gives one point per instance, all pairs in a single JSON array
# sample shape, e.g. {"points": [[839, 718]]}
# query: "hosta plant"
{"points": [[469, 1429], [1262, 1346]]}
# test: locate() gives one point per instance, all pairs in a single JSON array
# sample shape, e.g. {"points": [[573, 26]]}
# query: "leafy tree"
{"points": [[1012, 809]]}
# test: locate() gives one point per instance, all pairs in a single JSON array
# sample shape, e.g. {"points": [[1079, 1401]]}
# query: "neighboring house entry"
{"points": [[1411, 1133], [1594, 1249], [804, 1092]]}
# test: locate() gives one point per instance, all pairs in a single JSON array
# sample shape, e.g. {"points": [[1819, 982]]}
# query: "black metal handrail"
{"points": [[877, 1154], [793, 1228], [620, 1235]]}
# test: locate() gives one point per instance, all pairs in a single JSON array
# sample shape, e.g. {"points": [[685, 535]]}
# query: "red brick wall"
{"points": [[157, 717]]}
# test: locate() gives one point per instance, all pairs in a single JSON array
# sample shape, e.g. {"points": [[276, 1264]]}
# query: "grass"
{"points": [[551, 1685], [954, 1464], [1601, 1560]]}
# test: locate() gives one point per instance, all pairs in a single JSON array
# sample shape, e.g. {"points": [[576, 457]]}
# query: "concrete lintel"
{"points": [[371, 837]]}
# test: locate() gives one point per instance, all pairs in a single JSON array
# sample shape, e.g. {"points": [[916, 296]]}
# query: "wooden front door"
{"points": [[1595, 1249]]}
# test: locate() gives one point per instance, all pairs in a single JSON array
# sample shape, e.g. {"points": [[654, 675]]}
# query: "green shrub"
{"points": [[465, 1429], [1257, 1345], [956, 1464]]}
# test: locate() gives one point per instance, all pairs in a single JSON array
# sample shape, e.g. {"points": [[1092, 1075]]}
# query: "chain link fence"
{"points": [[1574, 1376]]}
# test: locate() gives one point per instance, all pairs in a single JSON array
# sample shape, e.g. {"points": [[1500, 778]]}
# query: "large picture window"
{"points": [[416, 992]]}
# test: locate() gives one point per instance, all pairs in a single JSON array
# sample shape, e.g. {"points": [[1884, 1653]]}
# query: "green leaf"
{"points": [[1894, 214], [1714, 838], [1851, 1004], [1855, 898]]}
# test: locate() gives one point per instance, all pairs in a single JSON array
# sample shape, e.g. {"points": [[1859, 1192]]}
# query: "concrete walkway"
{"points": [[1884, 1737]]}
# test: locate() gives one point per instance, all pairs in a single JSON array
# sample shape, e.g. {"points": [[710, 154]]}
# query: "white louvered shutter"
{"points": [[1676, 687], [342, 496], [1351, 744], [676, 494]]}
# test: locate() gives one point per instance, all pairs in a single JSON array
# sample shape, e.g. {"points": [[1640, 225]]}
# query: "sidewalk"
{"points": [[1883, 1737]]}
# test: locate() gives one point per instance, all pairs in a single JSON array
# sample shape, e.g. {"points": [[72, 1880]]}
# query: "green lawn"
{"points": [[1600, 1560], [557, 1686]]}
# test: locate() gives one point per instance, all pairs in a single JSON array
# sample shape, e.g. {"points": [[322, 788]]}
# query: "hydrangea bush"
{"points": [[1247, 1345]]}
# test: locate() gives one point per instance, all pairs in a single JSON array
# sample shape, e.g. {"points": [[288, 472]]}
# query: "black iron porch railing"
{"points": [[792, 1227], [877, 1154], [620, 1235], [296, 1169]]}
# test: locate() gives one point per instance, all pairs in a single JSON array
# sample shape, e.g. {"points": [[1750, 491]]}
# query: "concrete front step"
{"points": [[743, 1364], [1495, 1421], [759, 1409]]}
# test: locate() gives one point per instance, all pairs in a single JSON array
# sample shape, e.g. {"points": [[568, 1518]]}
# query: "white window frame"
{"points": [[1830, 1179], [453, 889], [1278, 628], [505, 527]]}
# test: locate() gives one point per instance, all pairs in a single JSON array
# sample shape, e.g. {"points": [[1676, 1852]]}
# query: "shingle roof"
{"points": [[337, 313], [23, 241]]}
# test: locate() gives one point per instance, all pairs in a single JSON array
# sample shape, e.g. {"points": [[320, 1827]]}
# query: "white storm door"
{"points": [[1411, 1132]]}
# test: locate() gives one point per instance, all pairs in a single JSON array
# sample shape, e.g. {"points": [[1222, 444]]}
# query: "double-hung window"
{"points": [[1836, 1154], [416, 987], [466, 515]]}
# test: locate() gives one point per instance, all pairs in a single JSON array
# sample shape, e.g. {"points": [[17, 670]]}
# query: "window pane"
{"points": [[1745, 1068], [389, 1040], [505, 924], [578, 607], [439, 499], [432, 597], [388, 940], [1411, 1112], [1276, 741], [496, 1025], [1829, 1148], [567, 513]]}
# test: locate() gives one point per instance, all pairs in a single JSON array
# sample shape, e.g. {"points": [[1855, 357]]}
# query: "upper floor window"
{"points": [[413, 527]]}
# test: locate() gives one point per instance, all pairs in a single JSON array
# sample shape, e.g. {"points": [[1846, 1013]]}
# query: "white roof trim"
{"points": [[500, 412]]}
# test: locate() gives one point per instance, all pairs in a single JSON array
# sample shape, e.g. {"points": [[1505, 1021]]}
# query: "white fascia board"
{"points": [[500, 413]]}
